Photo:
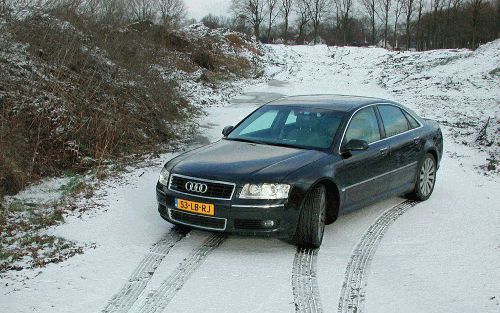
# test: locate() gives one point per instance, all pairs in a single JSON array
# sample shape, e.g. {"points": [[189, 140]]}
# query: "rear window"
{"points": [[413, 122], [394, 120]]}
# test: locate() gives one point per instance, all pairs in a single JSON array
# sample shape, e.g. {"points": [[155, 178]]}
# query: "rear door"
{"points": [[406, 145], [362, 173]]}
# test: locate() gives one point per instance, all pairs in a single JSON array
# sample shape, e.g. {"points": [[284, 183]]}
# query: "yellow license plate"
{"points": [[194, 207]]}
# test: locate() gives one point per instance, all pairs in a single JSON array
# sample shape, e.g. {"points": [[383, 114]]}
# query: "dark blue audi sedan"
{"points": [[294, 164]]}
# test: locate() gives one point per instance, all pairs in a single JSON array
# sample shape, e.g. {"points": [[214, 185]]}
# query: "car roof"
{"points": [[334, 102]]}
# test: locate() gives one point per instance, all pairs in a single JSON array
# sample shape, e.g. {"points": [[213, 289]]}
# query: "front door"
{"points": [[362, 174]]}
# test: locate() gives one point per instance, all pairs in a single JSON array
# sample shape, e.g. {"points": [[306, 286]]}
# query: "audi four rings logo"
{"points": [[196, 187]]}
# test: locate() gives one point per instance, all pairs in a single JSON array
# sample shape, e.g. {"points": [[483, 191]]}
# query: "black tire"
{"points": [[332, 208], [426, 179], [311, 225]]}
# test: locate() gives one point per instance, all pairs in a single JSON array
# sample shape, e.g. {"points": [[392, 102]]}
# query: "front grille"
{"points": [[216, 190], [198, 220]]}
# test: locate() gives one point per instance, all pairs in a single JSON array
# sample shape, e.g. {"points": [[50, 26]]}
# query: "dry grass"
{"points": [[239, 44], [79, 91], [80, 98]]}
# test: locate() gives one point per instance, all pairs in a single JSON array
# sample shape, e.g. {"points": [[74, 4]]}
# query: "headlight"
{"points": [[164, 175], [265, 191]]}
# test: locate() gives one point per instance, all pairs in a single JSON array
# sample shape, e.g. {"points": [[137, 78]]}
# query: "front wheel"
{"points": [[311, 224], [426, 179]]}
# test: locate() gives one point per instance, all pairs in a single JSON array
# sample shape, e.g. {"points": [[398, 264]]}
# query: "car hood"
{"points": [[228, 160]]}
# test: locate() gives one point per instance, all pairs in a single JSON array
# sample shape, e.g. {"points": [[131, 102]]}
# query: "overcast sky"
{"points": [[199, 8]]}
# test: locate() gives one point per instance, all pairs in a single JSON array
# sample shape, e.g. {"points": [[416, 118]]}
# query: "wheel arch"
{"points": [[333, 200], [434, 153], [431, 148]]}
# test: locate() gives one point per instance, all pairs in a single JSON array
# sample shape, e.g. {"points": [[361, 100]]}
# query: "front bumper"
{"points": [[237, 216]]}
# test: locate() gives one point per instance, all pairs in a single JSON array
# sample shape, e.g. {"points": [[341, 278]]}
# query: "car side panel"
{"points": [[364, 174], [406, 152], [431, 141]]}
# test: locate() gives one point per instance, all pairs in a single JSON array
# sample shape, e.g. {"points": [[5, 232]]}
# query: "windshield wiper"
{"points": [[286, 145], [270, 143], [245, 140]]}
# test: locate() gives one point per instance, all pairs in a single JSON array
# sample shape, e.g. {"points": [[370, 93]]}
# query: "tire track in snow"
{"points": [[157, 300], [304, 281], [352, 294], [125, 298]]}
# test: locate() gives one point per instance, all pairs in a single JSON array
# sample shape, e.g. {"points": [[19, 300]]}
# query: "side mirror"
{"points": [[227, 130], [355, 145]]}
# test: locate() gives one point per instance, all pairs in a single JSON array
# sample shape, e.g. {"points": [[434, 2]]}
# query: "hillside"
{"points": [[76, 94]]}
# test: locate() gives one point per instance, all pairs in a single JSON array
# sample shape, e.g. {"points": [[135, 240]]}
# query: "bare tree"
{"points": [[286, 8], [211, 21], [304, 16], [397, 13], [112, 11], [418, 32], [142, 9], [250, 10], [344, 8], [172, 12], [409, 9], [272, 13], [436, 6], [371, 7], [385, 6], [317, 9], [476, 9], [455, 6]]}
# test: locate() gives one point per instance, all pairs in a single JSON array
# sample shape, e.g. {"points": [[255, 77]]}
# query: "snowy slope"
{"points": [[436, 256], [459, 88]]}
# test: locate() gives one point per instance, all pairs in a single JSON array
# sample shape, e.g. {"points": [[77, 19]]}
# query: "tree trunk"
{"points": [[373, 29], [286, 29], [344, 29], [337, 28], [386, 26], [395, 39], [301, 34], [476, 6], [269, 26], [417, 33], [256, 31], [269, 33], [408, 36], [315, 26]]}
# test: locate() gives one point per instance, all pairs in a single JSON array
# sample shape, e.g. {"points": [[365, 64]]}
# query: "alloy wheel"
{"points": [[427, 177]]}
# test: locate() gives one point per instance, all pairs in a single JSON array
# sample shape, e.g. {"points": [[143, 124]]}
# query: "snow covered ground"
{"points": [[441, 255]]}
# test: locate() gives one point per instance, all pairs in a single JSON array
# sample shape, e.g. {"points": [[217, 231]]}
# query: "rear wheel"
{"points": [[426, 179], [312, 217]]}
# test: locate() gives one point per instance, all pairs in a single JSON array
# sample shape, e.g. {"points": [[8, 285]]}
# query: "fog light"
{"points": [[268, 223]]}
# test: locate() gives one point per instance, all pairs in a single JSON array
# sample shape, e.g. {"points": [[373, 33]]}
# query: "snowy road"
{"points": [[441, 255]]}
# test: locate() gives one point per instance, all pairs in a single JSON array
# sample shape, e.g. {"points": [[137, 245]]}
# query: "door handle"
{"points": [[384, 151], [416, 140]]}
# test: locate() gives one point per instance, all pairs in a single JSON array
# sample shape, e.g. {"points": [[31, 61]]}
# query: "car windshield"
{"points": [[299, 127]]}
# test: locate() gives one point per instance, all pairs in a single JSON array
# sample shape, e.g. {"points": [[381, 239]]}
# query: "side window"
{"points": [[413, 122], [264, 121], [363, 126], [394, 120]]}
